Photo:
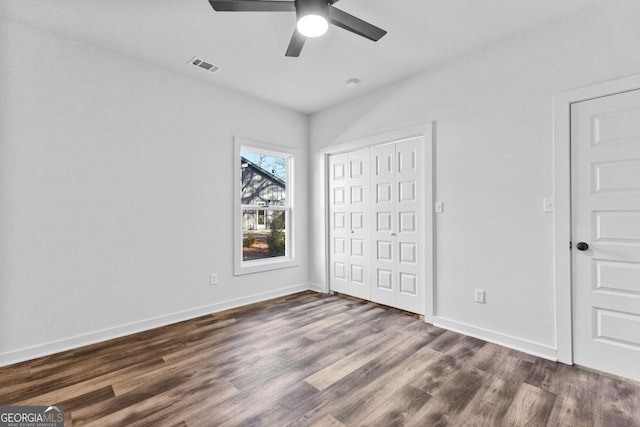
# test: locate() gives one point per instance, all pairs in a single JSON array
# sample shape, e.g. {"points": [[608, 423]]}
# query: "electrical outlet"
{"points": [[480, 296], [213, 279]]}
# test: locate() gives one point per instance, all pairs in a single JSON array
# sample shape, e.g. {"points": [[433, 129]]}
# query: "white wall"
{"points": [[493, 165], [115, 191]]}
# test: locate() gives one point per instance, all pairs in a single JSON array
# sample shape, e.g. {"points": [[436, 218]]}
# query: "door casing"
{"points": [[562, 201]]}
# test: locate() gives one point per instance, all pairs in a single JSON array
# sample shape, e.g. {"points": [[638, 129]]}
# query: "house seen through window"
{"points": [[265, 205]]}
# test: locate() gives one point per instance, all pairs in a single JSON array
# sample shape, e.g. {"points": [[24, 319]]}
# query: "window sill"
{"points": [[258, 266]]}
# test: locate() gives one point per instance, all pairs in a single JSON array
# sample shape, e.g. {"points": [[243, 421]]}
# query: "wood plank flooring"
{"points": [[315, 360]]}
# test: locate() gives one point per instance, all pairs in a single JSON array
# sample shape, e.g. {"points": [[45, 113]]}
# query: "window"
{"points": [[263, 207]]}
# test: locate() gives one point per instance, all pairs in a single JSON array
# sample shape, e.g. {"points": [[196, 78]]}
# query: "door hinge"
{"points": [[570, 245]]}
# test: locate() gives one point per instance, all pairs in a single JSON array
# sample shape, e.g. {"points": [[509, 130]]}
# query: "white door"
{"points": [[409, 181], [339, 233], [605, 173], [358, 206], [349, 223], [384, 224], [397, 275]]}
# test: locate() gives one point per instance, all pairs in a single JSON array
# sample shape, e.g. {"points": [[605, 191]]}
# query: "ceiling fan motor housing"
{"points": [[312, 7]]}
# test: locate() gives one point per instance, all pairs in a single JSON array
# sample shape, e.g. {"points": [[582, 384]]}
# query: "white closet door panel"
{"points": [[409, 236], [384, 286], [358, 218], [338, 223]]}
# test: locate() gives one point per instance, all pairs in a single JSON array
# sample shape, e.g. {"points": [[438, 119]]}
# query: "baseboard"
{"points": [[317, 287], [533, 348], [53, 347]]}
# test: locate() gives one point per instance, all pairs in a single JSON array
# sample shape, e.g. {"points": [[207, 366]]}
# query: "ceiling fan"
{"points": [[313, 18]]}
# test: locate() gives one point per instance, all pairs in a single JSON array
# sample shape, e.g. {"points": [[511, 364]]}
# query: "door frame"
{"points": [[426, 131], [562, 201]]}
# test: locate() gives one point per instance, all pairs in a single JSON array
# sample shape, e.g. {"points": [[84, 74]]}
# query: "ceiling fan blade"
{"points": [[355, 25], [253, 6], [295, 45]]}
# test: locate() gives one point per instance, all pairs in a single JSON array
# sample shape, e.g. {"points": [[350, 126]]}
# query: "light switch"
{"points": [[439, 207], [548, 205]]}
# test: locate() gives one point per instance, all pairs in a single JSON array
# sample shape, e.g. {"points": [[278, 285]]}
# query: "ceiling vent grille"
{"points": [[198, 62]]}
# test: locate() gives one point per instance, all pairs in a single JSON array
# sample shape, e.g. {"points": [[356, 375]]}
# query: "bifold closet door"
{"points": [[396, 213], [349, 223]]}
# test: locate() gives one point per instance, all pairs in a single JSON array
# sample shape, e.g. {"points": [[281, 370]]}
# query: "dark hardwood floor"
{"points": [[315, 360]]}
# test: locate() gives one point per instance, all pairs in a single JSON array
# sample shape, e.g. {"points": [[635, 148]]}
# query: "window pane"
{"points": [[263, 179], [263, 234]]}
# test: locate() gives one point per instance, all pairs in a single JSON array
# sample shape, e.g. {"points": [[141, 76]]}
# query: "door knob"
{"points": [[582, 246]]}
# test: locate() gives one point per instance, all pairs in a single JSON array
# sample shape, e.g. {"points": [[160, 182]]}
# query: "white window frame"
{"points": [[288, 260]]}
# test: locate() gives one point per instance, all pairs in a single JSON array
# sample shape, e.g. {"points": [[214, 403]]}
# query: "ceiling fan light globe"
{"points": [[312, 25]]}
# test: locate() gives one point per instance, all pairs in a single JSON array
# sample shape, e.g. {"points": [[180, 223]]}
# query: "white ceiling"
{"points": [[249, 46]]}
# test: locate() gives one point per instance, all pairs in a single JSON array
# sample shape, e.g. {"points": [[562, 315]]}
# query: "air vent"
{"points": [[198, 62]]}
